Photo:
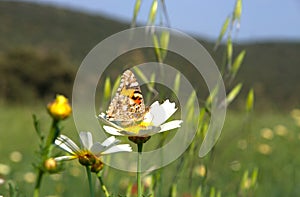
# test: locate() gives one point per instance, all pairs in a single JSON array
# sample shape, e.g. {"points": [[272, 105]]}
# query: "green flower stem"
{"points": [[139, 169], [36, 192], [103, 187], [53, 133], [89, 175]]}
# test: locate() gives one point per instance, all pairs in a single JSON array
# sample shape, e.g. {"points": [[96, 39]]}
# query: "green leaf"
{"points": [[152, 13], [222, 33], [250, 100], [234, 92], [237, 63], [177, 83], [136, 10], [107, 89], [37, 127]]}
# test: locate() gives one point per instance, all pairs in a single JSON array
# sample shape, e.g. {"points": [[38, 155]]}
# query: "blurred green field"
{"points": [[268, 141]]}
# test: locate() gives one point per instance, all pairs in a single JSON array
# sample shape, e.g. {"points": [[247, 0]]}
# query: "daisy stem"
{"points": [[89, 175], [139, 169], [103, 187]]}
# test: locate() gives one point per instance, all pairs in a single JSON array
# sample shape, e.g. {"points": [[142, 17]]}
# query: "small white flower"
{"points": [[88, 147], [151, 124]]}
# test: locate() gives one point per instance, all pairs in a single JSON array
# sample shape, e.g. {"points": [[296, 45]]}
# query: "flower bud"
{"points": [[50, 165], [60, 108]]}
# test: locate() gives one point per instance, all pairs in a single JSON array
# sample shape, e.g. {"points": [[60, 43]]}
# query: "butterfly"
{"points": [[127, 107]]}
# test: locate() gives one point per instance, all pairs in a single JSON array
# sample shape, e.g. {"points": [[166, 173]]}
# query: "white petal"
{"points": [[110, 141], [170, 125], [66, 144], [65, 158], [86, 139], [162, 112], [149, 116], [112, 130], [97, 148], [118, 148]]}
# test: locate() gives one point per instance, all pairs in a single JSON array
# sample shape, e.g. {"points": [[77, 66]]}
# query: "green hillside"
{"points": [[46, 36]]}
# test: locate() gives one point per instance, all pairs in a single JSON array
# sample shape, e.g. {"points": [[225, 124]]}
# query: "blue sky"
{"points": [[261, 19]]}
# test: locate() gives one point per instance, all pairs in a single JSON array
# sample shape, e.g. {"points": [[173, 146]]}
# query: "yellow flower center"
{"points": [[136, 128]]}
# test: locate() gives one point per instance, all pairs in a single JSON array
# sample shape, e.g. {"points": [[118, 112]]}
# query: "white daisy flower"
{"points": [[153, 122], [89, 151]]}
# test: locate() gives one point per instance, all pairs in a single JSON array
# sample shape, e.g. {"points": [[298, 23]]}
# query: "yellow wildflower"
{"points": [[60, 108]]}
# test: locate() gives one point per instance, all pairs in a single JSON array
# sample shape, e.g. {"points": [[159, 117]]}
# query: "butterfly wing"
{"points": [[128, 104]]}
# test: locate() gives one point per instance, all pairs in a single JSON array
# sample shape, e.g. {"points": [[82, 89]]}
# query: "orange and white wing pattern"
{"points": [[128, 104]]}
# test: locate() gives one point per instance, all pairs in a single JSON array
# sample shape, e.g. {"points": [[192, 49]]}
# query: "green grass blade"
{"points": [[233, 93], [244, 180], [157, 47], [152, 13], [129, 189], [237, 63], [212, 192], [107, 89], [237, 10], [116, 85], [164, 43], [222, 33], [254, 177], [136, 10], [229, 52], [173, 192], [177, 83], [141, 75], [250, 100], [199, 192]]}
